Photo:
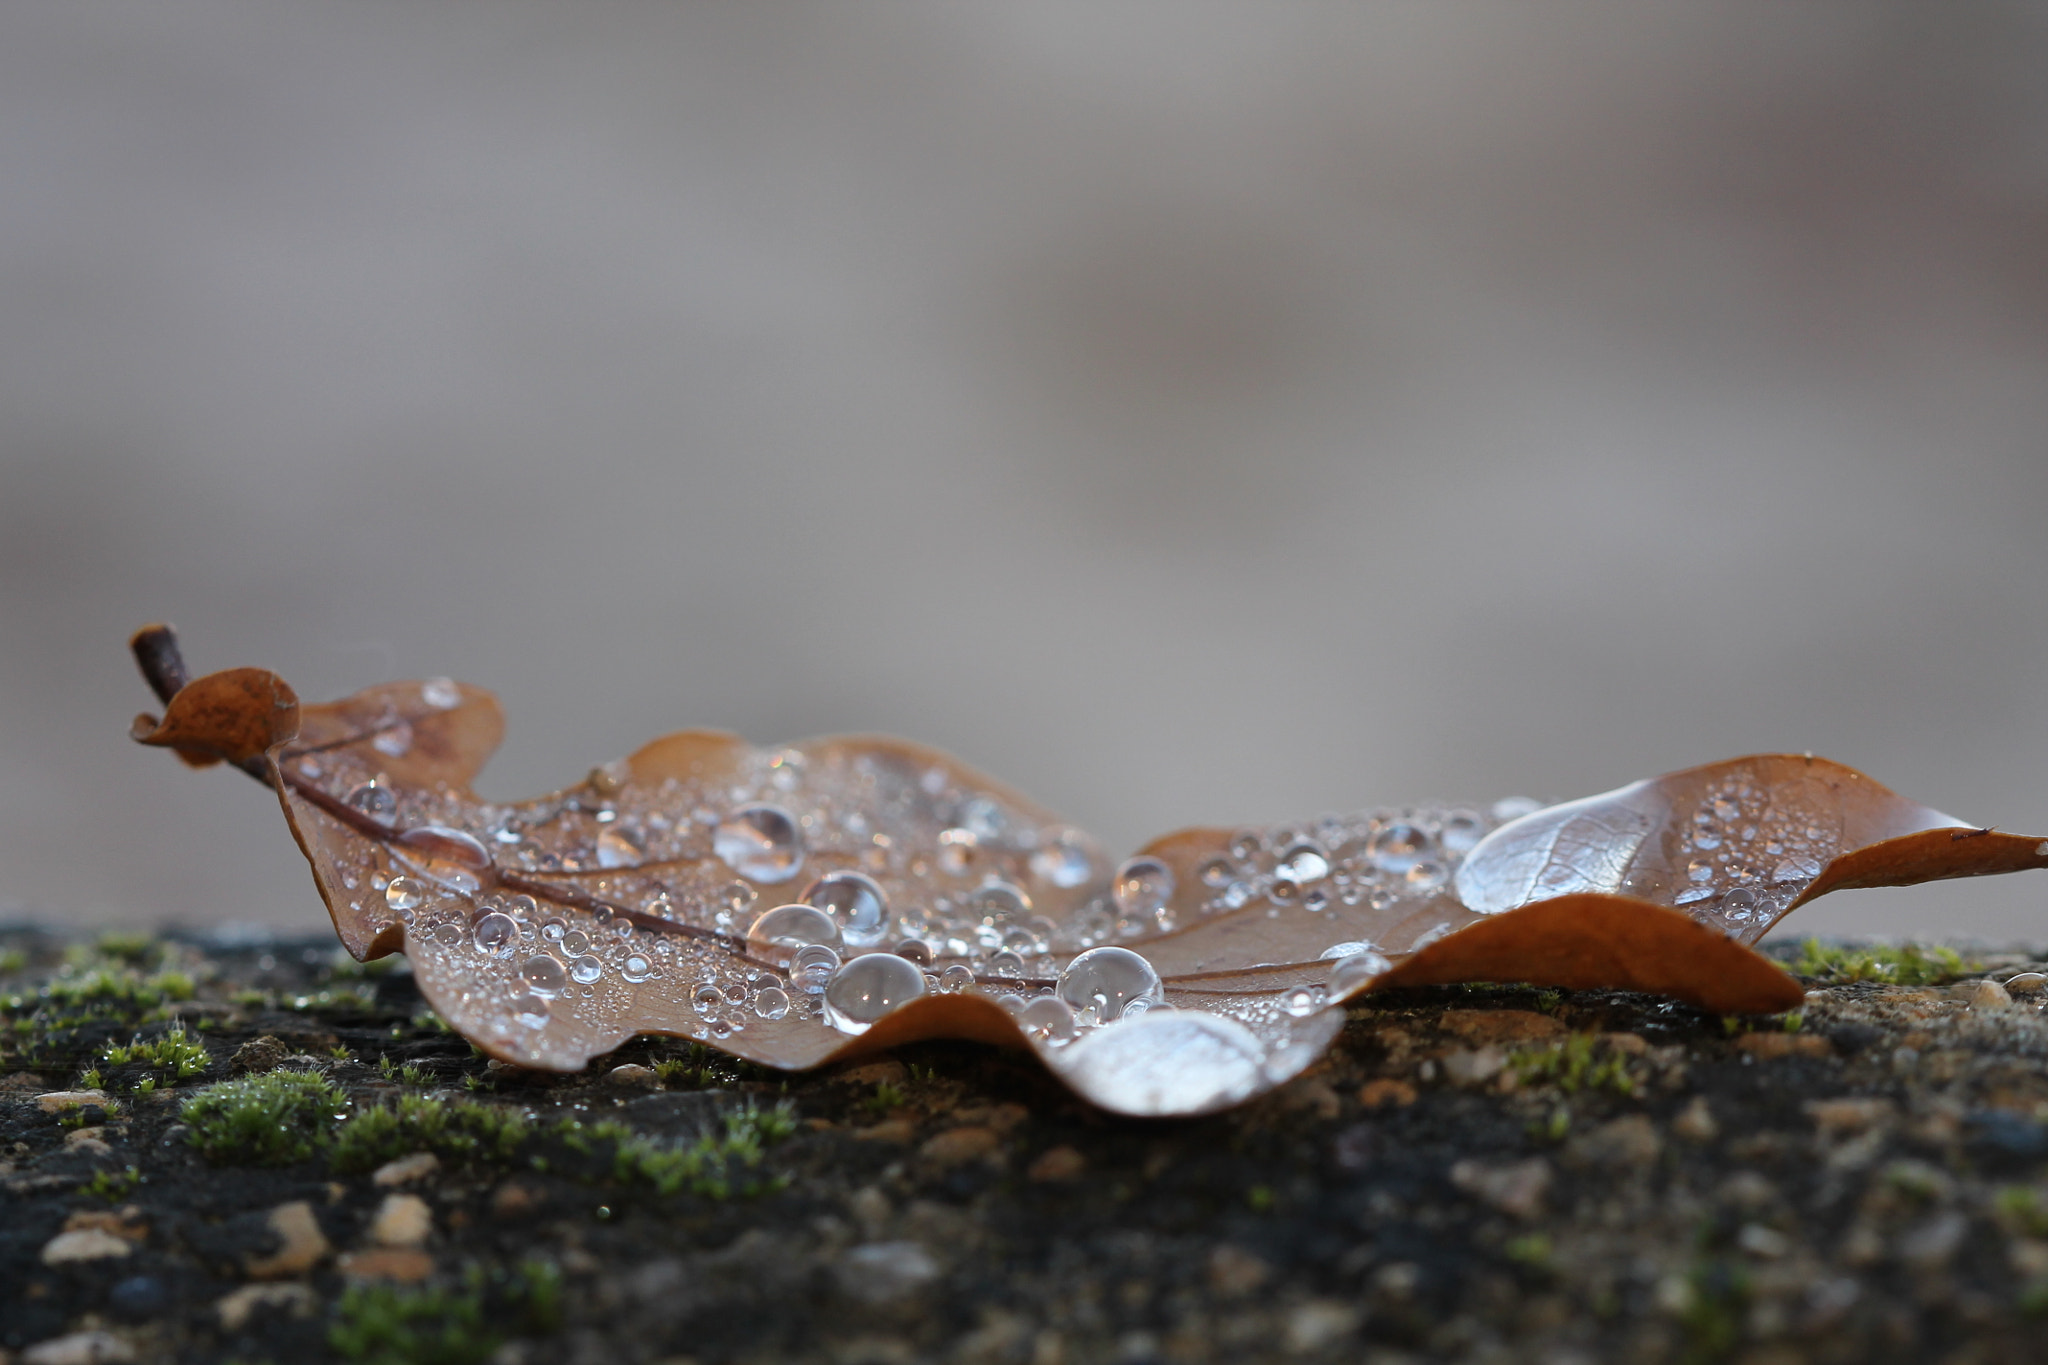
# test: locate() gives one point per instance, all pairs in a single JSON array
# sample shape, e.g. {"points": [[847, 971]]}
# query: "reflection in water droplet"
{"points": [[915, 950], [771, 1002], [543, 973], [1144, 885], [530, 1010], [793, 926], [1007, 964], [553, 929], [868, 988], [761, 843], [636, 968], [1740, 904], [404, 893], [1049, 1018], [1301, 864], [495, 934], [618, 847], [1064, 862], [956, 978], [1106, 980], [586, 969], [1398, 847], [812, 967], [374, 801], [447, 856], [441, 693], [1355, 969], [855, 902], [575, 941]]}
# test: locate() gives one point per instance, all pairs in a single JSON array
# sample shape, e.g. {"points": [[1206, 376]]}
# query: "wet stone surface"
{"points": [[1473, 1174]]}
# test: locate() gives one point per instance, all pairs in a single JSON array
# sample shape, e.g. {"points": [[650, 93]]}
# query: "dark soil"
{"points": [[1868, 1184]]}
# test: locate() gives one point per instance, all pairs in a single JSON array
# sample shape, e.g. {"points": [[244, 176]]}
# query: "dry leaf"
{"points": [[807, 904]]}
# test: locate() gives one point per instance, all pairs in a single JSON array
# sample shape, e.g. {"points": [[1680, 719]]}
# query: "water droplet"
{"points": [[441, 693], [553, 929], [1428, 875], [405, 893], [1303, 1002], [1218, 872], [1461, 829], [1398, 847], [394, 739], [983, 818], [1144, 885], [636, 968], [996, 903], [495, 934], [374, 801], [575, 941], [543, 973], [1315, 899], [956, 849], [447, 856], [531, 1010], [1301, 864], [855, 902], [1740, 904], [1006, 964], [1727, 808], [812, 967], [956, 978], [1064, 862], [771, 1002], [915, 950], [618, 847], [761, 843], [794, 926], [707, 999], [1048, 1017], [868, 988], [1355, 969], [585, 970], [1514, 808], [1700, 870], [738, 898], [1106, 980], [1245, 845]]}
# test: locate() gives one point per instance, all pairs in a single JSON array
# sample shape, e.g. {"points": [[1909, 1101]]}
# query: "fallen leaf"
{"points": [[838, 897]]}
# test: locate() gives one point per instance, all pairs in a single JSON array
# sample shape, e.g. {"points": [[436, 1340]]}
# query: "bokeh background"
{"points": [[1190, 413]]}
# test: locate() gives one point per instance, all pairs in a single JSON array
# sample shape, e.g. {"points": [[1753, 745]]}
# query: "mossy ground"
{"points": [[1474, 1174]]}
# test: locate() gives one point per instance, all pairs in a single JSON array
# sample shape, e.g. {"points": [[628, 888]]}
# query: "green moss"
{"points": [[172, 1057], [458, 1130], [13, 960], [1906, 964], [1574, 1065], [2023, 1210], [1531, 1249], [718, 1165], [268, 1120], [409, 1074], [379, 1324], [700, 1068], [112, 1186]]}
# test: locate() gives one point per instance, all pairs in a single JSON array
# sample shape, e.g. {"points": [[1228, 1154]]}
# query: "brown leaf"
{"points": [[841, 896]]}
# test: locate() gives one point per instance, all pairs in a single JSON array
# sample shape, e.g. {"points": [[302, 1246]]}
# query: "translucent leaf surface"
{"points": [[811, 903]]}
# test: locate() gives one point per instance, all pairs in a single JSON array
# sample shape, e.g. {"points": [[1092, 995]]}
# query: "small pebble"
{"points": [[1989, 995], [405, 1170], [1057, 1165], [80, 1348], [403, 1220], [58, 1101], [1235, 1272], [1314, 1326], [1695, 1122], [1474, 1066], [634, 1076], [1516, 1188], [1760, 1241], [87, 1244], [405, 1265], [301, 1244], [956, 1145], [883, 1272], [236, 1309], [2027, 983]]}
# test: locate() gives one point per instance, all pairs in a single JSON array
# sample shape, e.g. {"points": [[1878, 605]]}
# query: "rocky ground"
{"points": [[1479, 1174]]}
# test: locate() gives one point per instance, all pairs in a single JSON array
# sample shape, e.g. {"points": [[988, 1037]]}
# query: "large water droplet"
{"points": [[618, 847], [1107, 980], [1142, 887], [1302, 864], [496, 934], [575, 941], [868, 988], [543, 974], [771, 1002], [855, 903], [585, 970], [983, 818], [447, 856], [707, 999], [1461, 829], [636, 968], [379, 803], [1064, 861], [1398, 847], [405, 893], [812, 967], [394, 739], [1355, 969], [956, 978], [531, 1010], [760, 842], [792, 926], [1006, 964], [441, 693]]}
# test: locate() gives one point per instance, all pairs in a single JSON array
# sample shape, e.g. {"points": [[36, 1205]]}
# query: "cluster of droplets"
{"points": [[1743, 855], [1371, 858]]}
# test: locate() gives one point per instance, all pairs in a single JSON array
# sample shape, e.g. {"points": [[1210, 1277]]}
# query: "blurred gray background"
{"points": [[1190, 413]]}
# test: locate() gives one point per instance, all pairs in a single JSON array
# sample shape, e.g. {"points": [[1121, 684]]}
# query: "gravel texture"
{"points": [[1472, 1174]]}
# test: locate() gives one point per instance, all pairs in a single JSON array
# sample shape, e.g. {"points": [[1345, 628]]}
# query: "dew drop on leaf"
{"points": [[543, 974], [1144, 885], [1106, 980], [761, 843], [855, 902], [868, 988], [793, 926]]}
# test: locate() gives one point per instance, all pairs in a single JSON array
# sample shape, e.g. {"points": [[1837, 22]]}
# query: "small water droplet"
{"points": [[636, 968], [792, 926], [543, 973], [983, 818], [1355, 969], [812, 967], [585, 969], [761, 843], [1048, 1017], [1427, 875], [575, 941], [868, 988], [1398, 846], [447, 856], [531, 1010], [1301, 864], [1106, 980], [375, 801], [618, 846], [915, 950], [1006, 964], [1740, 904], [855, 902], [1303, 1002], [956, 978], [1064, 861], [707, 999], [771, 1002], [1461, 829], [1700, 870], [1245, 845], [495, 934], [1218, 872], [405, 893], [394, 739], [554, 929], [441, 693], [1144, 885]]}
